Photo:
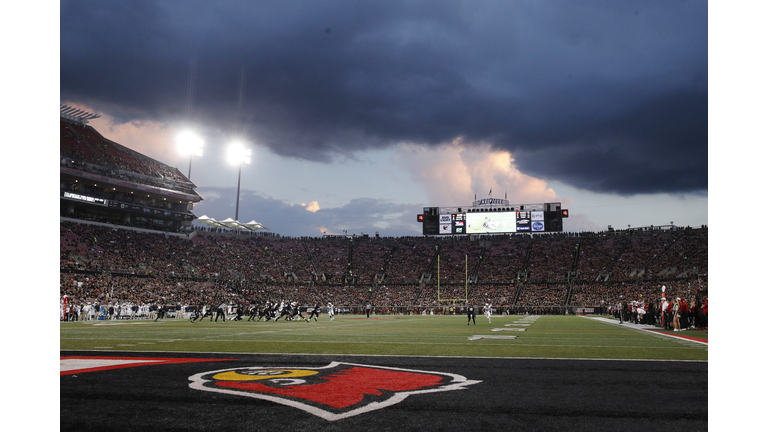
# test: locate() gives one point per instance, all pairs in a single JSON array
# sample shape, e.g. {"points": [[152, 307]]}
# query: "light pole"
{"points": [[239, 155], [189, 144]]}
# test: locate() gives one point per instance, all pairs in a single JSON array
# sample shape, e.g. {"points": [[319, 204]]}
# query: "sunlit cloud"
{"points": [[455, 173], [312, 206]]}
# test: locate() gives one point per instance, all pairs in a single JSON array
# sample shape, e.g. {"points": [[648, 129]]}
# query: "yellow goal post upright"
{"points": [[466, 283]]}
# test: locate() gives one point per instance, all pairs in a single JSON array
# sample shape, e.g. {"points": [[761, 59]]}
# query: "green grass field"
{"points": [[546, 337]]}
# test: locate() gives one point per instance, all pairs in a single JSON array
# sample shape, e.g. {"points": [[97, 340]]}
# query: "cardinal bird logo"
{"points": [[333, 392]]}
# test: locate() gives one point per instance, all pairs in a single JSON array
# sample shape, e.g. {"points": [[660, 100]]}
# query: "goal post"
{"points": [[466, 283]]}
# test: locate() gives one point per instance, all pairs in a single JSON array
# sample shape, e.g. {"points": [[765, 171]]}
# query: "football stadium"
{"points": [[198, 326], [386, 216]]}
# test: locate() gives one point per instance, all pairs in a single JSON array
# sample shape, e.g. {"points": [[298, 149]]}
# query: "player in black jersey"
{"points": [[471, 314], [293, 311], [238, 314], [285, 311], [261, 311], [271, 311], [208, 312], [315, 313], [195, 314], [275, 311]]}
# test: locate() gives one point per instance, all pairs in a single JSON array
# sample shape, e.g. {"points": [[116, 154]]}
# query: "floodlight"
{"points": [[189, 143], [237, 154]]}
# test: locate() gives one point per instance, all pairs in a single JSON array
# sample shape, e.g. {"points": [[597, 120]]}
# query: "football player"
{"points": [[284, 311], [315, 313], [487, 311], [294, 309]]}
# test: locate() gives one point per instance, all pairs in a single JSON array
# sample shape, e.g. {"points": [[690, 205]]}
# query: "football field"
{"points": [[505, 336], [382, 373]]}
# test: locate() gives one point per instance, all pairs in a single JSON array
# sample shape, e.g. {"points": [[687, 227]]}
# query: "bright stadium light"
{"points": [[238, 154], [190, 144]]}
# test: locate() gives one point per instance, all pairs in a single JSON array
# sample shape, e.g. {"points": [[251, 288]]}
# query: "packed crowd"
{"points": [[502, 261], [108, 263], [82, 148]]}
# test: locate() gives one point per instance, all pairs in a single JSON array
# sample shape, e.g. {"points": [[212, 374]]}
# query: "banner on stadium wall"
{"points": [[84, 198], [150, 211]]}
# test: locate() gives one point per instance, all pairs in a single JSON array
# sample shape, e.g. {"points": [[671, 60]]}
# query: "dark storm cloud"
{"points": [[606, 96]]}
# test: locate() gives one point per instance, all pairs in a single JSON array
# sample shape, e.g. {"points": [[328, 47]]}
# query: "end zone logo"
{"points": [[333, 392]]}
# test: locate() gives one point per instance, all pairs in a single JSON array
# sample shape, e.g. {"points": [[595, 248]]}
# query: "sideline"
{"points": [[649, 329]]}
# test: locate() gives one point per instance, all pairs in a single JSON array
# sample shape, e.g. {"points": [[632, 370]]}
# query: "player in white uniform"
{"points": [[330, 310], [487, 312], [63, 308], [280, 309], [295, 312]]}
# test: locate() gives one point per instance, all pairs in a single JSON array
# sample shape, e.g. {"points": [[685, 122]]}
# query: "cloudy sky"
{"points": [[360, 113]]}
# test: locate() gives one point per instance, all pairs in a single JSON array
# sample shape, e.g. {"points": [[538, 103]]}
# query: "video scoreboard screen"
{"points": [[436, 221]]}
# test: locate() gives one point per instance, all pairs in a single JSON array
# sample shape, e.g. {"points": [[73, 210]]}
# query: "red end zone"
{"points": [[83, 364]]}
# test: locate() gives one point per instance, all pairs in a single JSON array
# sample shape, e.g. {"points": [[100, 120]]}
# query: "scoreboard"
{"points": [[528, 218]]}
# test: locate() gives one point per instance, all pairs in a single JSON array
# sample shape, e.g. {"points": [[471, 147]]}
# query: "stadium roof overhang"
{"points": [[76, 115], [232, 224]]}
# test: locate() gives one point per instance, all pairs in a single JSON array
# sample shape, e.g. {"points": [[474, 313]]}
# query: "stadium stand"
{"points": [[551, 273], [101, 180], [126, 238]]}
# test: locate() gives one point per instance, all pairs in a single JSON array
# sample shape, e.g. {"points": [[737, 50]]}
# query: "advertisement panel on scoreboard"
{"points": [[446, 225], [523, 219], [459, 223], [487, 223]]}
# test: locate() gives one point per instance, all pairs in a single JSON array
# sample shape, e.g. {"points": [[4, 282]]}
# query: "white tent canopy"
{"points": [[232, 224]]}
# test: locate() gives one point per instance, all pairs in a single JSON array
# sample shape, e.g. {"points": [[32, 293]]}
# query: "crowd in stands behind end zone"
{"points": [[515, 273]]}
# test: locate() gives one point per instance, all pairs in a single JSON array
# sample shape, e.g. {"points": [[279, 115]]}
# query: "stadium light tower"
{"points": [[190, 144], [238, 154]]}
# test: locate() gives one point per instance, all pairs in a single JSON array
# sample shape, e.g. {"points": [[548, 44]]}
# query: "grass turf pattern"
{"points": [[567, 337]]}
